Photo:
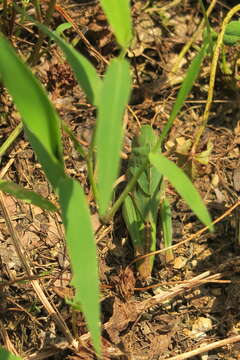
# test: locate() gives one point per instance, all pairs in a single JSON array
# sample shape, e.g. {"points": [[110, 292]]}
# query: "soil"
{"points": [[192, 301]]}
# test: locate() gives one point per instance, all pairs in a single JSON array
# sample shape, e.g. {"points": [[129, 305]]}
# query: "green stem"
{"points": [[86, 156], [132, 182], [91, 177], [34, 57], [213, 71], [38, 10], [91, 168], [11, 138], [75, 141]]}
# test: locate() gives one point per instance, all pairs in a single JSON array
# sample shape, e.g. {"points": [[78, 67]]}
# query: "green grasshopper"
{"points": [[140, 208]]}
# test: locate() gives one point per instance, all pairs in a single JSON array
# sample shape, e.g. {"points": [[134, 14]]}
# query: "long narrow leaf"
{"points": [[114, 97], [26, 195], [82, 251], [85, 72], [119, 17], [6, 355], [42, 126], [41, 122], [183, 185], [191, 76]]}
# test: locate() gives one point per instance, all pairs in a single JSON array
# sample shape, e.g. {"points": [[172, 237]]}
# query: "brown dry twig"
{"points": [[206, 348]]}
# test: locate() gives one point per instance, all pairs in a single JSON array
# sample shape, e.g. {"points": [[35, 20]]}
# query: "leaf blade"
{"points": [[82, 253], [191, 76], [6, 355], [44, 131], [109, 134], [26, 195], [119, 17], [183, 185], [84, 71]]}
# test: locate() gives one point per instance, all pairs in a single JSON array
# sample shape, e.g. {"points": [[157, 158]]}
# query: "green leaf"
{"points": [[183, 185], [62, 27], [85, 72], [41, 122], [191, 76], [232, 33], [109, 135], [119, 17], [26, 195], [6, 355], [82, 250], [42, 126]]}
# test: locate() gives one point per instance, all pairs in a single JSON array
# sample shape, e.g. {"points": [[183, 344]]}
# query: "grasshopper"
{"points": [[140, 208]]}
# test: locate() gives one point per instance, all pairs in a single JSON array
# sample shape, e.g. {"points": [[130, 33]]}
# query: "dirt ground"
{"points": [[192, 301]]}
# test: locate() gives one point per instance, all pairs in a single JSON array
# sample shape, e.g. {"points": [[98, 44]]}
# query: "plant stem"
{"points": [[90, 159], [34, 57], [112, 211], [86, 156], [38, 10], [11, 138], [192, 40], [213, 76], [75, 141], [91, 177]]}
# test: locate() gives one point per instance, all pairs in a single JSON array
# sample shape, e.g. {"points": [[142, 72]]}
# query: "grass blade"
{"points": [[41, 122], [191, 76], [114, 98], [119, 17], [6, 355], [82, 251], [10, 139], [42, 126], [85, 72], [26, 195], [183, 185]]}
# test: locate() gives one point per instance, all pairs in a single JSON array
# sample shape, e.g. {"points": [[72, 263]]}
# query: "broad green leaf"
{"points": [[119, 17], [82, 251], [191, 76], [183, 185], [85, 72], [232, 33], [41, 122], [6, 355], [109, 135], [28, 196]]}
